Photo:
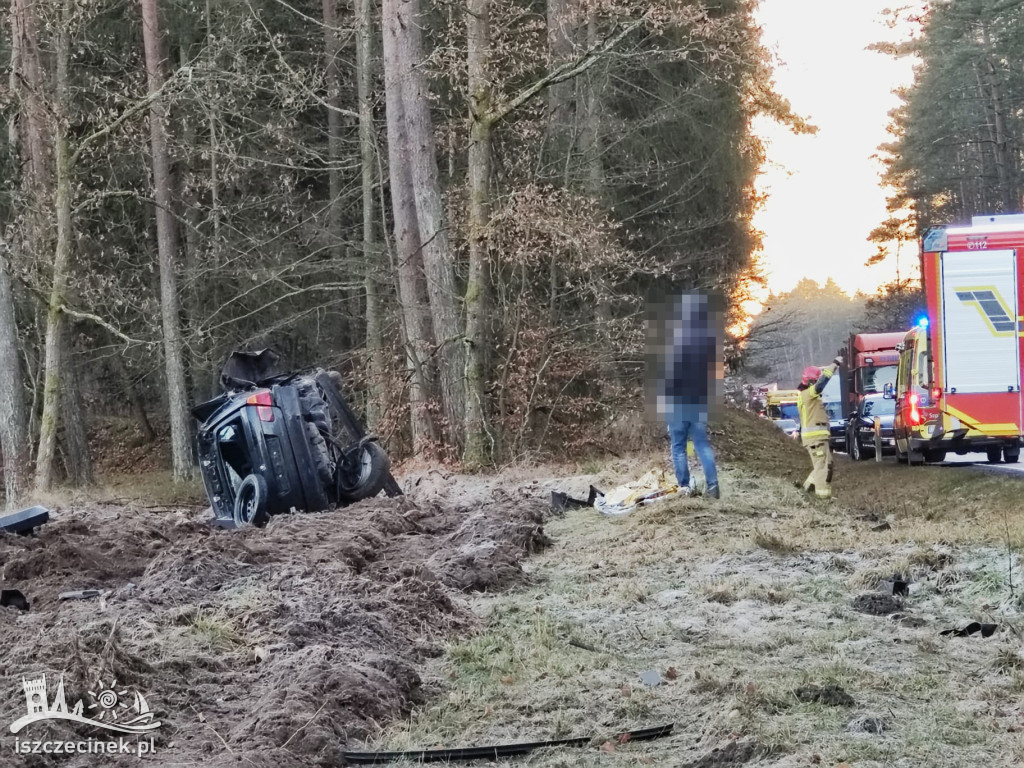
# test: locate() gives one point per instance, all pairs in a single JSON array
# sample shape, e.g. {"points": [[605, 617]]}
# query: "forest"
{"points": [[957, 135], [462, 207]]}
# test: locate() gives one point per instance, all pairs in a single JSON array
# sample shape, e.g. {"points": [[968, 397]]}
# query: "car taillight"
{"points": [[936, 393], [263, 402], [915, 414]]}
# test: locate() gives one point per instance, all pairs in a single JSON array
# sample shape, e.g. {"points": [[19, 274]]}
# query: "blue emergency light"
{"points": [[923, 322]]}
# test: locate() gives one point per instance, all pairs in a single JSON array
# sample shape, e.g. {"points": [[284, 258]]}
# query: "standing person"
{"points": [[814, 428], [687, 386]]}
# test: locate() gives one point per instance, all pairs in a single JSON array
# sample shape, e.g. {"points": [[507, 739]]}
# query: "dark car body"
{"points": [[836, 425], [860, 431], [288, 440]]}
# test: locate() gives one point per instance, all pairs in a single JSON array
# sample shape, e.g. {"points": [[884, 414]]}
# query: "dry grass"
{"points": [[744, 601]]}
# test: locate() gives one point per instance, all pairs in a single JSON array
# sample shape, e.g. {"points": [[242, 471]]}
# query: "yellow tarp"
{"points": [[655, 484]]}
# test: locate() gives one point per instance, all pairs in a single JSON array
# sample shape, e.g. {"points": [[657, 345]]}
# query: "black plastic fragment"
{"points": [[560, 502], [25, 520], [987, 630], [493, 752], [13, 598]]}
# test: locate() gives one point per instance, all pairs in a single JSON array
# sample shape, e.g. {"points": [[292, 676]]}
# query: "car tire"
{"points": [[373, 468], [901, 457], [857, 454], [934, 456], [993, 455], [1011, 455], [251, 502]]}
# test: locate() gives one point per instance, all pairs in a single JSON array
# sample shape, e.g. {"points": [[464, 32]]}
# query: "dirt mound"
{"points": [[271, 647], [743, 438]]}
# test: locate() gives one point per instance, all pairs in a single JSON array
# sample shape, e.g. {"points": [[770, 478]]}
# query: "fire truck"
{"points": [[959, 376]]}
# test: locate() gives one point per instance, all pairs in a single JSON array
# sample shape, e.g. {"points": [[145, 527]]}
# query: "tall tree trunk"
{"points": [[167, 248], [593, 163], [560, 23], [332, 53], [415, 312], [371, 252], [53, 364], [14, 437], [438, 260], [28, 141], [75, 441], [995, 93], [478, 448]]}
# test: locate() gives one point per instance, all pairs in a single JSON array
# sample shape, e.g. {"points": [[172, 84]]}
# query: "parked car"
{"points": [[789, 426], [836, 426], [281, 442], [860, 433]]}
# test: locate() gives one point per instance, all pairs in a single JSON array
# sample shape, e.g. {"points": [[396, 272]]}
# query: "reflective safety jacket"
{"points": [[813, 416]]}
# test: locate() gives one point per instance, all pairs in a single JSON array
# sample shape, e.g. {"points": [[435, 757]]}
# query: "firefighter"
{"points": [[814, 428]]}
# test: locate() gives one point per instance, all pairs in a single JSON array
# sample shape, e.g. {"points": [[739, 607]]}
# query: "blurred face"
{"points": [[679, 326]]}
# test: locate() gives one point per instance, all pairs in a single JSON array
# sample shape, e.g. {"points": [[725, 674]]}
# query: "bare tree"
{"points": [[371, 251], [14, 438], [167, 245], [408, 245]]}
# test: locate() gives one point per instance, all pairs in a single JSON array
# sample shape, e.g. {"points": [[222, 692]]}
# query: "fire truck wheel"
{"points": [[1011, 455], [993, 455], [935, 456], [901, 457]]}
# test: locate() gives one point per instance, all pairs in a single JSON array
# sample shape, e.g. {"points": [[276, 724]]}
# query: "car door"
{"points": [[904, 384]]}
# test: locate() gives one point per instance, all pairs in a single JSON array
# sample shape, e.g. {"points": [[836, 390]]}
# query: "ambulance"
{"points": [[959, 374]]}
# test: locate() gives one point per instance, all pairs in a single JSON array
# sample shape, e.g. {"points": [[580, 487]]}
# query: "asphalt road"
{"points": [[977, 460]]}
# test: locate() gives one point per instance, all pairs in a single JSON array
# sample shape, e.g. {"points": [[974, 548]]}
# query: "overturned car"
{"points": [[282, 442]]}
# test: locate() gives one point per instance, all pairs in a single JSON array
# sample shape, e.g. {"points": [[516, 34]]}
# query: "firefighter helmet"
{"points": [[811, 373]]}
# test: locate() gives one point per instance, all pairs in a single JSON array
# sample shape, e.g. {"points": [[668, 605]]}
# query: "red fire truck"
{"points": [[959, 376], [871, 360]]}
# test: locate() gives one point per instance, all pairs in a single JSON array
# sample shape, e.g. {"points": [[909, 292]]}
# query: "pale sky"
{"points": [[825, 194]]}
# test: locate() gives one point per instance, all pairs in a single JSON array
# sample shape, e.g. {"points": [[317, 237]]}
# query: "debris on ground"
{"points": [[876, 604], [867, 724], [655, 485], [830, 695], [498, 752], [986, 630], [81, 594], [651, 678], [24, 521], [13, 598], [897, 584]]}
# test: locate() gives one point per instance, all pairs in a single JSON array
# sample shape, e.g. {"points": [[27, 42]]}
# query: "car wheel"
{"points": [[857, 454], [993, 454], [363, 474], [251, 502], [901, 457], [934, 456], [1011, 455]]}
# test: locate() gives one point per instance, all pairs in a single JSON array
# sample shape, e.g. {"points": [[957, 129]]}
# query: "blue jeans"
{"points": [[696, 431]]}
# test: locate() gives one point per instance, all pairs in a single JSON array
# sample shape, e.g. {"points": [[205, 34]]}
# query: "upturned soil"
{"points": [[762, 625], [272, 647]]}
